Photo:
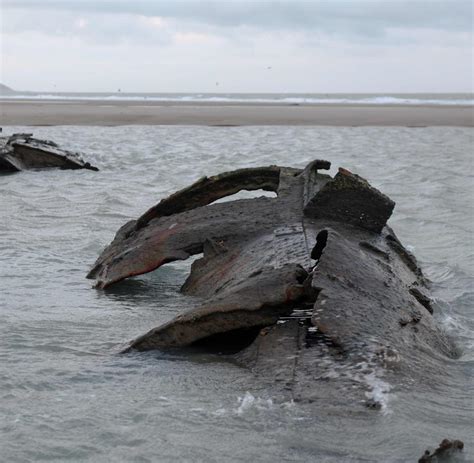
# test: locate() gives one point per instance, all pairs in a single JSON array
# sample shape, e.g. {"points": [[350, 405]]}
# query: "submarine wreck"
{"points": [[21, 151], [295, 287]]}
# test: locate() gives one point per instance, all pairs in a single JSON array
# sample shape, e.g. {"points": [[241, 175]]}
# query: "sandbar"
{"points": [[115, 113]]}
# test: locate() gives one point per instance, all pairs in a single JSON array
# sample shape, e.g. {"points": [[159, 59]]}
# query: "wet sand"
{"points": [[106, 113]]}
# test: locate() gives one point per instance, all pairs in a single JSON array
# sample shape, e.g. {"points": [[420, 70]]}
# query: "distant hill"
{"points": [[4, 90]]}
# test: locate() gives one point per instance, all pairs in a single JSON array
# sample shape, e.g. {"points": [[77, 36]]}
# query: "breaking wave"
{"points": [[443, 100]]}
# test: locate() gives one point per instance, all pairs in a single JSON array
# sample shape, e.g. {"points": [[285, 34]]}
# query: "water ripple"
{"points": [[66, 394]]}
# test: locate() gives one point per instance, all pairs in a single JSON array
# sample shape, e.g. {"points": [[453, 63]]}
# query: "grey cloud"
{"points": [[97, 28], [353, 17]]}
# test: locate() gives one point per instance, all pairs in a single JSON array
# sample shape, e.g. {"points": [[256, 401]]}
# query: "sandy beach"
{"points": [[107, 113]]}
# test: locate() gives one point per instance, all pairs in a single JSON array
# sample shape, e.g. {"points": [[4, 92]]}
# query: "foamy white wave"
{"points": [[374, 100], [378, 391], [249, 401]]}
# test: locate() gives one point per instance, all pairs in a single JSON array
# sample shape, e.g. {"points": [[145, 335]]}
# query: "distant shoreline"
{"points": [[36, 112]]}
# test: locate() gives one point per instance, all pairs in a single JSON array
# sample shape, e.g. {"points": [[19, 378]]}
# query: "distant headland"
{"points": [[4, 90]]}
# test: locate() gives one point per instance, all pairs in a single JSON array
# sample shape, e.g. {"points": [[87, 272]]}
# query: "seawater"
{"points": [[443, 99], [67, 395]]}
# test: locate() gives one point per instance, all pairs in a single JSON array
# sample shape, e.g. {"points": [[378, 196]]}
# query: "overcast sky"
{"points": [[237, 46]]}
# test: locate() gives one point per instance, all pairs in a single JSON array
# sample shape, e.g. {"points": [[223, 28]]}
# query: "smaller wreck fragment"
{"points": [[446, 451], [21, 151], [296, 287]]}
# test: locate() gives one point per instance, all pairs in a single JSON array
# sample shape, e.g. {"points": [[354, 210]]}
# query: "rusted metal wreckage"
{"points": [[284, 280], [21, 151]]}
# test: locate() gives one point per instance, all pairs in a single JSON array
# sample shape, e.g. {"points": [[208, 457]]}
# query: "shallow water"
{"points": [[65, 393]]}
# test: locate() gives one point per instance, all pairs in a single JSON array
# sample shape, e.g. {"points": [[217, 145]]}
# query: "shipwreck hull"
{"points": [[23, 152], [291, 286]]}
